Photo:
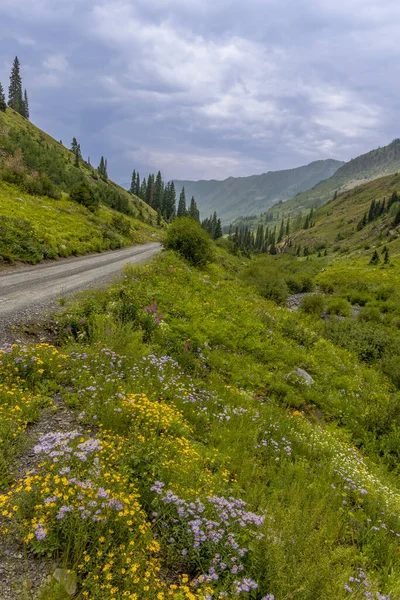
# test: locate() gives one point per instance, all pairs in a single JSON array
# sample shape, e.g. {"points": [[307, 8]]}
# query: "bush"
{"points": [[339, 306], [83, 194], [186, 237], [313, 304], [268, 279]]}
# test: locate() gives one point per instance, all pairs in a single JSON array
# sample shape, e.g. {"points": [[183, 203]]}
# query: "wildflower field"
{"points": [[223, 447]]}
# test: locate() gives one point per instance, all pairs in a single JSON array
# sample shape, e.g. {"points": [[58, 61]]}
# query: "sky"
{"points": [[207, 89]]}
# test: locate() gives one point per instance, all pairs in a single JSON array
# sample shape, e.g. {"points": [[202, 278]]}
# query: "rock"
{"points": [[308, 380], [67, 579]]}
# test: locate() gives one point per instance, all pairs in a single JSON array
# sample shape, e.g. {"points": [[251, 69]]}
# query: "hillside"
{"points": [[364, 168], [188, 432], [238, 196], [336, 225], [38, 217]]}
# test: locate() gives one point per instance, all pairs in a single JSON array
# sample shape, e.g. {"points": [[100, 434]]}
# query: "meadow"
{"points": [[225, 447]]}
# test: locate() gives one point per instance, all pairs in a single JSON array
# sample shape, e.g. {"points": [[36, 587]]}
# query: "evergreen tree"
{"points": [[182, 210], [26, 105], [397, 219], [132, 189], [288, 226], [150, 190], [375, 258], [218, 230], [281, 232], [386, 256], [194, 211], [137, 184], [102, 168], [158, 192], [15, 99], [3, 104], [143, 189]]}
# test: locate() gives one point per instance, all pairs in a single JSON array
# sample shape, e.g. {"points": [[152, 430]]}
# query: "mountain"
{"points": [[364, 168], [238, 196], [53, 203], [338, 226]]}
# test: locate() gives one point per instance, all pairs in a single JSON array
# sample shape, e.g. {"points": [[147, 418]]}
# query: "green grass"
{"points": [[34, 228], [200, 390]]}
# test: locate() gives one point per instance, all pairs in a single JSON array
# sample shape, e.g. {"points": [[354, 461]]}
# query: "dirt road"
{"points": [[30, 291]]}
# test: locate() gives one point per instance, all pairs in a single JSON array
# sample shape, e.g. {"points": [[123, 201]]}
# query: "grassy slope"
{"points": [[35, 227], [365, 168], [336, 222], [243, 424]]}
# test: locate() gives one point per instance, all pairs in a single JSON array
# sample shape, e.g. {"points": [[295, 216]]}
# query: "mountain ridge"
{"points": [[258, 192]]}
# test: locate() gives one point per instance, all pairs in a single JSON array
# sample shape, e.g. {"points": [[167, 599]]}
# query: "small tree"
{"points": [[385, 255], [83, 194], [186, 236], [375, 258], [26, 105], [397, 219], [15, 99], [3, 104], [182, 210]]}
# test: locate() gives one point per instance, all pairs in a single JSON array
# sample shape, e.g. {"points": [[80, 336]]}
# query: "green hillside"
{"points": [[38, 217], [336, 225], [238, 196], [364, 168]]}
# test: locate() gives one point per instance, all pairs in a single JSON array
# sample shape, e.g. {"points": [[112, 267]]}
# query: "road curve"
{"points": [[27, 291]]}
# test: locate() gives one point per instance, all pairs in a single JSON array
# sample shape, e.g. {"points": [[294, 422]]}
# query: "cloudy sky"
{"points": [[208, 88]]}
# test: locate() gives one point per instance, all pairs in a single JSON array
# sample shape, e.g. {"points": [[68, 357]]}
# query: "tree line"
{"points": [[162, 198], [377, 209], [17, 99]]}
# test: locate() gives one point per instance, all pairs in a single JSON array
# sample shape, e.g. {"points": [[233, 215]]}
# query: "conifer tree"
{"points": [[158, 192], [170, 202], [26, 105], [281, 232], [375, 258], [194, 211], [137, 184], [386, 256], [397, 219], [3, 104], [218, 230], [182, 210], [288, 226], [150, 190], [132, 189], [143, 189], [15, 99]]}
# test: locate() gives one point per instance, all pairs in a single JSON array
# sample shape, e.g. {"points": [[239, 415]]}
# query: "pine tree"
{"points": [[137, 184], [143, 189], [132, 189], [375, 258], [288, 226], [26, 105], [3, 104], [386, 256], [182, 210], [397, 219], [218, 230], [15, 99], [158, 192], [194, 211], [170, 206], [281, 232]]}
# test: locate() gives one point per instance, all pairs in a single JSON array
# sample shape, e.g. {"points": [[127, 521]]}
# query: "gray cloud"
{"points": [[208, 88]]}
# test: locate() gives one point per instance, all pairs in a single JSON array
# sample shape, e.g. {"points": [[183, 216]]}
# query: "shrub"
{"points": [[313, 304], [339, 306], [186, 237], [83, 194]]}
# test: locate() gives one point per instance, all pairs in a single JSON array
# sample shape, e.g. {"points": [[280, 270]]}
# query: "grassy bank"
{"points": [[229, 448]]}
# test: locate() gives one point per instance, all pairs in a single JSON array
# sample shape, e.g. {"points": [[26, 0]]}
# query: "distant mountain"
{"points": [[238, 196], [364, 168]]}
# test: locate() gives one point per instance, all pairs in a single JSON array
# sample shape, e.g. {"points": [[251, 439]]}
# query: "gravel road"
{"points": [[27, 293]]}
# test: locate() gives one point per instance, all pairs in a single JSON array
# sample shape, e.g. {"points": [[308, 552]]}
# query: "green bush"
{"points": [[83, 194], [339, 306], [186, 237], [313, 304], [268, 279]]}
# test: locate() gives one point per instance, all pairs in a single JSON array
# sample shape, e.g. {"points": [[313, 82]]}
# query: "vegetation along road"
{"points": [[31, 289]]}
